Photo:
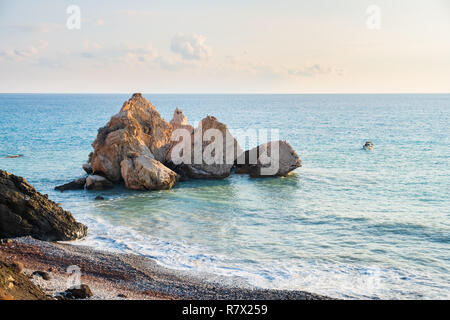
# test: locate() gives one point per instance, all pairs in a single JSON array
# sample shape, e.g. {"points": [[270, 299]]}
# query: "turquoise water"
{"points": [[349, 223]]}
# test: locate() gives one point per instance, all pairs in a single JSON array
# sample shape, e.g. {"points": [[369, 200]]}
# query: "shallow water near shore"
{"points": [[348, 224]]}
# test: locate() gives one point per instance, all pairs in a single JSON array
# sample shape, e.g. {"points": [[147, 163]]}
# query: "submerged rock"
{"points": [[26, 212], [96, 182], [263, 162], [145, 173], [73, 185], [14, 156], [137, 129], [368, 145]]}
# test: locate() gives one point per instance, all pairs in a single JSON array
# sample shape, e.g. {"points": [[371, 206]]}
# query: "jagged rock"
{"points": [[221, 160], [145, 173], [87, 168], [81, 292], [178, 122], [73, 185], [98, 183], [368, 145], [26, 212], [179, 118], [137, 129], [258, 161]]}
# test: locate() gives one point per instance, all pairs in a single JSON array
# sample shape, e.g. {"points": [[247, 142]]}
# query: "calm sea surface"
{"points": [[349, 223]]}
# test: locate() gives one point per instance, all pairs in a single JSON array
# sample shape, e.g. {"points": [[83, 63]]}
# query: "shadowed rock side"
{"points": [[253, 161], [222, 158], [24, 211]]}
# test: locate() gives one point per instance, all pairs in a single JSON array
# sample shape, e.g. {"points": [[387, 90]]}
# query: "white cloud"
{"points": [[136, 13], [191, 47], [313, 70], [22, 54]]}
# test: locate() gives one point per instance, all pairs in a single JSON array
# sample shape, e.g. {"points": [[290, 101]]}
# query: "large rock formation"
{"points": [[275, 158], [145, 173], [137, 129], [26, 212], [213, 151], [138, 147]]}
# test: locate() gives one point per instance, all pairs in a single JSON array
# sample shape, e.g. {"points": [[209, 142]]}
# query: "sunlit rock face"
{"points": [[136, 130], [145, 173]]}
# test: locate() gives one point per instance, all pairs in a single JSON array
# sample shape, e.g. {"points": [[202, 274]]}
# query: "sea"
{"points": [[350, 223]]}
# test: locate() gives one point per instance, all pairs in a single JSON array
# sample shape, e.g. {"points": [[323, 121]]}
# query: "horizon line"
{"points": [[237, 93]]}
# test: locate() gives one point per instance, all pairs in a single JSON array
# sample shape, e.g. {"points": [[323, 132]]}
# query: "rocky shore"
{"points": [[141, 150], [125, 276]]}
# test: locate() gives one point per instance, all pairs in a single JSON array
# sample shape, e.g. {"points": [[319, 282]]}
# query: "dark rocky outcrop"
{"points": [[26, 212], [77, 184]]}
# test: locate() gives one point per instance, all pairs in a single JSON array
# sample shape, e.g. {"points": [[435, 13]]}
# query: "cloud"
{"points": [[244, 64], [22, 54], [38, 28], [136, 13], [313, 70], [191, 47]]}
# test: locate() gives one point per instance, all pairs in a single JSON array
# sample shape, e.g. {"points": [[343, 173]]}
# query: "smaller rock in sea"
{"points": [[88, 168], [99, 198], [80, 292], [368, 145], [96, 182], [73, 185], [14, 156]]}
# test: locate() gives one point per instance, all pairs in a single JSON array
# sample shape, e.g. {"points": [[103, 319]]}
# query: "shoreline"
{"points": [[127, 276]]}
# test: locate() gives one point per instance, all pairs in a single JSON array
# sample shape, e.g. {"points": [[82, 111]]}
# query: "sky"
{"points": [[251, 46]]}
